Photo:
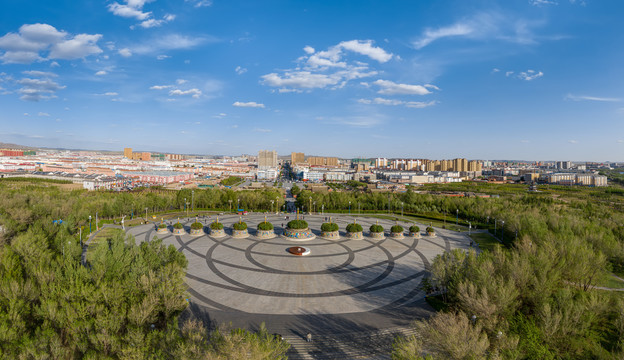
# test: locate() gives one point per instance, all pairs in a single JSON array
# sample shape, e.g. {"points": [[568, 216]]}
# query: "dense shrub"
{"points": [[297, 224], [265, 225], [430, 229], [396, 229], [376, 228], [216, 226], [197, 226], [354, 228], [414, 229], [239, 226], [178, 226], [329, 227], [162, 226]]}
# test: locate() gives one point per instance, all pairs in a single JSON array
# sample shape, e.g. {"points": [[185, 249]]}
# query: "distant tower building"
{"points": [[146, 156], [381, 162], [128, 153], [563, 165], [267, 159], [297, 157]]}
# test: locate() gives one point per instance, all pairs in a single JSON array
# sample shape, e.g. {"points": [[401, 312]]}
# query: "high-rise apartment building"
{"points": [[128, 153], [322, 161], [267, 158], [297, 157], [146, 156], [381, 162]]}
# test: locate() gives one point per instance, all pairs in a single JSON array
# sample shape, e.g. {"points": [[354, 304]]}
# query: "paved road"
{"points": [[345, 289]]}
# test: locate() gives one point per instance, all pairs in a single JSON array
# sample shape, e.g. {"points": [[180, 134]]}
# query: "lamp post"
{"points": [[315, 207], [185, 204], [89, 224], [276, 204], [145, 215], [401, 208], [272, 201], [349, 207], [96, 222], [322, 209], [469, 227], [237, 204], [502, 230], [494, 226], [193, 200], [310, 207], [358, 208], [457, 220], [230, 201]]}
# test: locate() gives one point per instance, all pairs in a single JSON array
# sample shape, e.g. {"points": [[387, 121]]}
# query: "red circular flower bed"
{"points": [[298, 250]]}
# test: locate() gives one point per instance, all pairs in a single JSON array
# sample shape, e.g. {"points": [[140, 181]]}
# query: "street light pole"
{"points": [[502, 230], [89, 224], [145, 214], [230, 201], [322, 209], [193, 200], [349, 207], [310, 208], [401, 208], [457, 220]]}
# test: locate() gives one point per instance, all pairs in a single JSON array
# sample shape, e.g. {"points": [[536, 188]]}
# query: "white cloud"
{"points": [[132, 10], [39, 73], [620, 141], [101, 73], [200, 3], [110, 94], [150, 23], [240, 70], [162, 57], [171, 42], [38, 89], [591, 98], [542, 2], [25, 47], [251, 104], [394, 102], [43, 114], [573, 141], [195, 93], [530, 75], [54, 64], [328, 68], [483, 26], [388, 87], [125, 52], [365, 47], [495, 70], [509, 73], [160, 87], [181, 81], [432, 35], [262, 130]]}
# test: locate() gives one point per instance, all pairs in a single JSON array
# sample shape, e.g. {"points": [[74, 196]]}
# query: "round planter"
{"points": [[432, 234], [162, 230], [415, 234], [217, 233], [377, 235], [179, 231], [265, 234], [299, 234], [330, 235], [240, 234], [355, 235], [197, 232], [397, 235]]}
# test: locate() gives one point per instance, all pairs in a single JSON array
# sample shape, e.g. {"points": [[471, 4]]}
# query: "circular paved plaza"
{"points": [[342, 285]]}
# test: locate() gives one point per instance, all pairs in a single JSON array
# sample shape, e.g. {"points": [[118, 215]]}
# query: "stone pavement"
{"points": [[344, 290]]}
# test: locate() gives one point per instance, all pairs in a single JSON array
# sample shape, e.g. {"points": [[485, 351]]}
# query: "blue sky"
{"points": [[514, 79]]}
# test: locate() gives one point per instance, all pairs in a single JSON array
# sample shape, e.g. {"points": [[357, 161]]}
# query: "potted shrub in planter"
{"points": [[265, 230], [414, 231], [162, 228], [197, 228], [354, 231], [298, 230], [178, 229], [430, 231], [396, 231], [330, 230], [376, 231], [216, 229], [239, 229]]}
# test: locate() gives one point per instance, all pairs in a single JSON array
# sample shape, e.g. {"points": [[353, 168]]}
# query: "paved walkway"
{"points": [[345, 292]]}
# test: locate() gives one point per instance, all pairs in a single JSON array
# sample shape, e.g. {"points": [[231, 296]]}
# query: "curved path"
{"points": [[343, 287]]}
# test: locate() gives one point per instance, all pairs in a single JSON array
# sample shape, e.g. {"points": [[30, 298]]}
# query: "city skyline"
{"points": [[526, 79]]}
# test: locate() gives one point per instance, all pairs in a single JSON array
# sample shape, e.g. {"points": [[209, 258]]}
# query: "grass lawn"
{"points": [[103, 235], [611, 282], [485, 240]]}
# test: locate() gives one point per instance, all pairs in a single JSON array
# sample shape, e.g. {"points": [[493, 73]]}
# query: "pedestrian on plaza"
{"points": [[309, 337]]}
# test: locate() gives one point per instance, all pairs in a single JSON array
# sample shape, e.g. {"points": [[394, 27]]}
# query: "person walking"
{"points": [[309, 337]]}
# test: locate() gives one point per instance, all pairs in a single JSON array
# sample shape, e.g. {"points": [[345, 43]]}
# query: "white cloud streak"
{"points": [[591, 98], [250, 104]]}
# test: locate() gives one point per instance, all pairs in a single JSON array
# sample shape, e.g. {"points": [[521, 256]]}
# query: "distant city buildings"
{"points": [[459, 164], [322, 161], [297, 157]]}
